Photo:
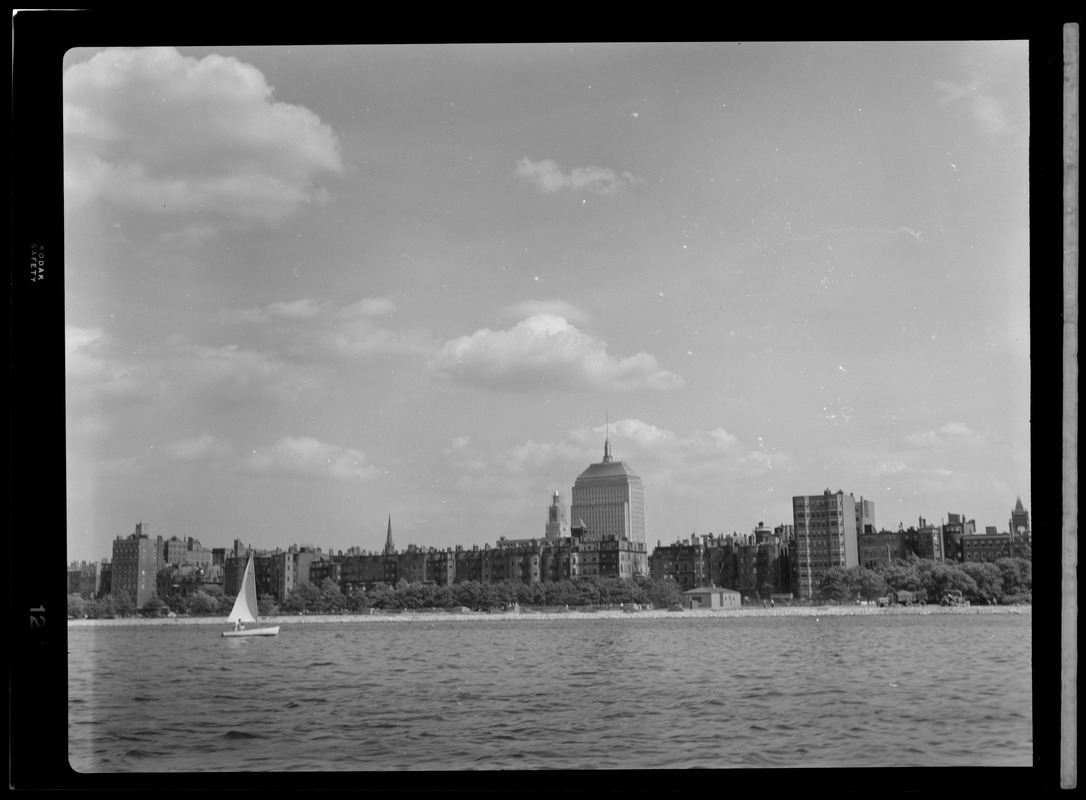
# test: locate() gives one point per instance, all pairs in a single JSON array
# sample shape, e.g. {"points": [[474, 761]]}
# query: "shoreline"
{"points": [[571, 615]]}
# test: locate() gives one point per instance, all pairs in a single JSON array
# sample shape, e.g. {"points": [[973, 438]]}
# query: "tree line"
{"points": [[328, 598], [1006, 581], [210, 602]]}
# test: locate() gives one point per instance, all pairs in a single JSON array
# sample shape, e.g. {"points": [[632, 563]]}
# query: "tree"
{"points": [[178, 604], [103, 608], [943, 578], [383, 596], [266, 606], [153, 607], [666, 593], [123, 605], [358, 602], [332, 600], [303, 598], [901, 575], [838, 584], [201, 604], [76, 607], [989, 580], [1017, 574]]}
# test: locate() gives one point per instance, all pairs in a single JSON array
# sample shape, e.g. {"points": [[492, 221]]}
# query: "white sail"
{"points": [[245, 607]]}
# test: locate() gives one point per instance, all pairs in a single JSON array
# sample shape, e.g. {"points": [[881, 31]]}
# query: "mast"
{"points": [[606, 440]]}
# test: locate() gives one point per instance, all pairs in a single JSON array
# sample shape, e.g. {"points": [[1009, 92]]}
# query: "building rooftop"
{"points": [[608, 469], [703, 589]]}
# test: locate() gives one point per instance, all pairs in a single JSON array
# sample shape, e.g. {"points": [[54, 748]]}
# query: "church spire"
{"points": [[390, 548]]}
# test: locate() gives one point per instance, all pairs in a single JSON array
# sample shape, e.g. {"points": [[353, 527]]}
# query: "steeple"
{"points": [[1018, 508], [390, 548]]}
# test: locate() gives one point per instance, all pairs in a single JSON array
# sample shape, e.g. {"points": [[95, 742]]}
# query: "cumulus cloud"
{"points": [[309, 457], [546, 349], [557, 308], [548, 177], [155, 130]]}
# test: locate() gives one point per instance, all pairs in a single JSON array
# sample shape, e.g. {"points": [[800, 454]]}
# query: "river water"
{"points": [[627, 693]]}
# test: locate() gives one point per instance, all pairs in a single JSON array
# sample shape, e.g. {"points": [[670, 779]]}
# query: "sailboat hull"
{"points": [[273, 631]]}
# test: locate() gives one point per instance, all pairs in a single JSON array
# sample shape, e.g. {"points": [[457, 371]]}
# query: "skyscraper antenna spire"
{"points": [[606, 439]]}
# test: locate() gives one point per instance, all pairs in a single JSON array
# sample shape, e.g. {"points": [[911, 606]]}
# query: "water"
{"points": [[629, 693]]}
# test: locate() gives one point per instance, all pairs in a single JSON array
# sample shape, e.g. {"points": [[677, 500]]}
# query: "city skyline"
{"points": [[309, 288]]}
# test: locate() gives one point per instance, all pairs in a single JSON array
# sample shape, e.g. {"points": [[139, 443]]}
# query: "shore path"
{"points": [[573, 615]]}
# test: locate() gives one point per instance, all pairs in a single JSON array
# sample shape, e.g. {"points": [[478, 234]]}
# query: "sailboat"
{"points": [[245, 608]]}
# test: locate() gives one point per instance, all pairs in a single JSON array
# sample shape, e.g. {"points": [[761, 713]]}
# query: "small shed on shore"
{"points": [[712, 598]]}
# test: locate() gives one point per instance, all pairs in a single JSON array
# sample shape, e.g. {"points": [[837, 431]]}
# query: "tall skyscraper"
{"points": [[609, 499], [825, 528]]}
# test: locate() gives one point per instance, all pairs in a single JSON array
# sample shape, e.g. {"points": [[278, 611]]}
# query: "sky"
{"points": [[311, 288]]}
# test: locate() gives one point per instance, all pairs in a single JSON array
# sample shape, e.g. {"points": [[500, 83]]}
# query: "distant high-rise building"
{"points": [[865, 516], [557, 519], [136, 561], [609, 500], [825, 530], [1019, 524]]}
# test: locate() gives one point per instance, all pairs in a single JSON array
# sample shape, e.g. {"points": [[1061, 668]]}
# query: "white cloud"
{"points": [[231, 374], [951, 433], [546, 349], [723, 438], [669, 457], [150, 129], [206, 447], [296, 309], [368, 307], [642, 433], [987, 109], [557, 308], [548, 177], [309, 457], [94, 372], [354, 330]]}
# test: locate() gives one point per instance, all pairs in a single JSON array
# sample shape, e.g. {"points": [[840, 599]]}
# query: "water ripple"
{"points": [[600, 694]]}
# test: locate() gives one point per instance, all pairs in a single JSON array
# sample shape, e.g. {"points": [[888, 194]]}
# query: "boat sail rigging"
{"points": [[245, 608]]}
